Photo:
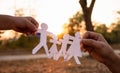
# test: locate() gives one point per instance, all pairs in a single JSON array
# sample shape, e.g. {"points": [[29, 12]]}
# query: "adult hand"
{"points": [[100, 50], [27, 25]]}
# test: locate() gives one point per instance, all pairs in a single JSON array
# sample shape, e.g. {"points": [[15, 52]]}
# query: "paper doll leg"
{"points": [[52, 52], [46, 50], [77, 60], [67, 57], [62, 52], [34, 51], [58, 54], [50, 55], [55, 57]]}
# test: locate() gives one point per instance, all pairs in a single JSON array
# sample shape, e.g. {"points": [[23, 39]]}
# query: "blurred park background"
{"points": [[62, 16]]}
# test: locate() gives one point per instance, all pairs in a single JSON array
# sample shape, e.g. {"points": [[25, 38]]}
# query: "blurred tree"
{"points": [[74, 23], [118, 12], [19, 12], [1, 31], [87, 12], [24, 42], [101, 28], [116, 32], [111, 34]]}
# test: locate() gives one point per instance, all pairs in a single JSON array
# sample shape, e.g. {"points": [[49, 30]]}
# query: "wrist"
{"points": [[6, 22], [113, 63]]}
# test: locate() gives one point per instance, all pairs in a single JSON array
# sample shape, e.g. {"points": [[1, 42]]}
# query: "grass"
{"points": [[50, 66]]}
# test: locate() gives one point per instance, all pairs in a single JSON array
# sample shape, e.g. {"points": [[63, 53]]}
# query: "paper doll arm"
{"points": [[71, 37], [58, 42], [51, 34], [70, 42], [51, 40]]}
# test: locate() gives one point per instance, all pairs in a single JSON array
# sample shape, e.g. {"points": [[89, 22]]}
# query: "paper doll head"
{"points": [[44, 26], [66, 36]]}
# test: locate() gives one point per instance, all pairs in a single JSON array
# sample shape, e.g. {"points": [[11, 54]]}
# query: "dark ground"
{"points": [[50, 66]]}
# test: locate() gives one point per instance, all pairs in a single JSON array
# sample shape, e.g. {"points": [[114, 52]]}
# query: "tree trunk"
{"points": [[87, 12]]}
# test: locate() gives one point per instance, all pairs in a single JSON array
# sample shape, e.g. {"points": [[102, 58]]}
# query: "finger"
{"points": [[91, 35], [27, 29], [33, 21], [31, 28], [91, 43], [94, 36], [86, 48], [20, 29], [83, 48]]}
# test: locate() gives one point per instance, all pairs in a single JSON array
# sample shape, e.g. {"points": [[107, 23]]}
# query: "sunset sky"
{"points": [[56, 12]]}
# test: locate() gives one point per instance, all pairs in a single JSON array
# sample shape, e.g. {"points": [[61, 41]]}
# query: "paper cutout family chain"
{"points": [[73, 51]]}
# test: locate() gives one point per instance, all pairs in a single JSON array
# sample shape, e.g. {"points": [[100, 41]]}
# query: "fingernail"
{"points": [[35, 29]]}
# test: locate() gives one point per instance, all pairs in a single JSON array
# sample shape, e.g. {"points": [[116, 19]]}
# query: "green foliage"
{"points": [[111, 37], [74, 23], [116, 33], [23, 42], [101, 29]]}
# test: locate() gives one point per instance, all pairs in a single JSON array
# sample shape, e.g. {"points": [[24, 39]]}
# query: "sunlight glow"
{"points": [[9, 35], [56, 12], [105, 11], [53, 12]]}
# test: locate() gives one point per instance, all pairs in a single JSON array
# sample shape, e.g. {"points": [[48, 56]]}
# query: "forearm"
{"points": [[5, 22], [114, 64]]}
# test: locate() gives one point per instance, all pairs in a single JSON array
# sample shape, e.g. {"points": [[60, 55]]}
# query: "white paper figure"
{"points": [[74, 50], [64, 43], [53, 50], [43, 39]]}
